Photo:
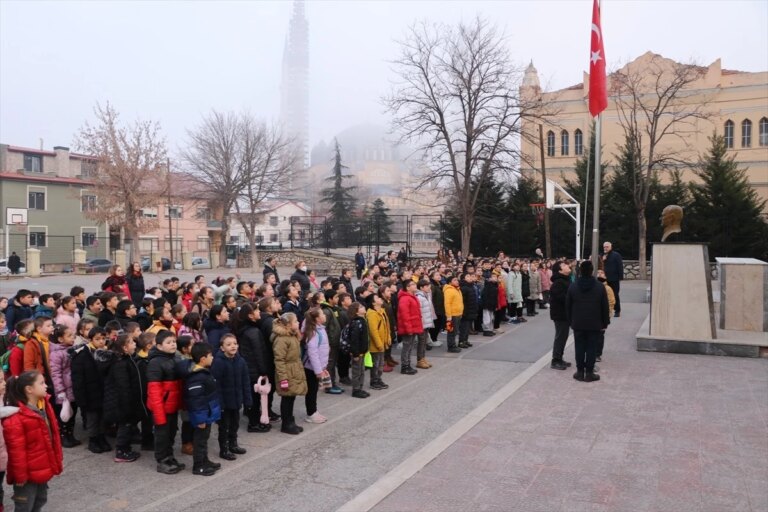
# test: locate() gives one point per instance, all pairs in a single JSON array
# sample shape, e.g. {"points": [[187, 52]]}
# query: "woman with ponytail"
{"points": [[32, 441]]}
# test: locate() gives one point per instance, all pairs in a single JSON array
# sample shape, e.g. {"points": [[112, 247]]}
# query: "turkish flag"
{"points": [[598, 95]]}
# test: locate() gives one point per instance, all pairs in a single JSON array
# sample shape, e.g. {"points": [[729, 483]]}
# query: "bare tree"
{"points": [[267, 159], [129, 172], [657, 117], [458, 101], [213, 155]]}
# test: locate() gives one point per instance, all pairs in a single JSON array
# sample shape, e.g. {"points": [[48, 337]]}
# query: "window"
{"points": [[564, 143], [33, 163], [273, 237], [259, 239], [149, 244], [550, 143], [746, 133], [203, 213], [273, 221], [37, 238], [87, 203], [578, 143], [36, 199], [728, 134], [88, 169], [89, 239], [763, 131], [234, 239], [174, 212], [149, 213]]}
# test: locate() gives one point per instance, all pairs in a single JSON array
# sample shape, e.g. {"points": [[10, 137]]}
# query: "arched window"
{"points": [[550, 143], [578, 143], [728, 134], [746, 133], [564, 143], [764, 131]]}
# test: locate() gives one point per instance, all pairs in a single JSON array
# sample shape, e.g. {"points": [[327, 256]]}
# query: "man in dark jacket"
{"points": [[14, 263], [613, 266], [586, 305], [471, 308], [270, 267], [300, 275], [359, 262], [561, 280]]}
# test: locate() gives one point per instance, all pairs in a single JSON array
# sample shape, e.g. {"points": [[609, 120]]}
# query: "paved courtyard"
{"points": [[483, 430]]}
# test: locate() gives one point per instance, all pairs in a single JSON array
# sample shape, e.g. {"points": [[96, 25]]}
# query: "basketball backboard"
{"points": [[15, 216]]}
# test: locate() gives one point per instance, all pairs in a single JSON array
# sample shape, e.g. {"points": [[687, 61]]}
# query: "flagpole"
{"points": [[596, 199]]}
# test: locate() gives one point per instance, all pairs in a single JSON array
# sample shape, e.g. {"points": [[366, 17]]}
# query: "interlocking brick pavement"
{"points": [[659, 432]]}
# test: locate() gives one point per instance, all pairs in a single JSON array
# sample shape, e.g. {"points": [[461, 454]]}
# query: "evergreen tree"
{"points": [[618, 223], [380, 223], [524, 234], [341, 203], [725, 212]]}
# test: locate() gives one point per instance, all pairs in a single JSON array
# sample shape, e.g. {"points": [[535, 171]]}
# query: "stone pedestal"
{"points": [[681, 292], [156, 263], [743, 294], [215, 260], [186, 260], [121, 258], [79, 256], [33, 262]]}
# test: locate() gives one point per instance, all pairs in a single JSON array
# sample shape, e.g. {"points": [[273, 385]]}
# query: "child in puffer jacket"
{"points": [[63, 339], [428, 317]]}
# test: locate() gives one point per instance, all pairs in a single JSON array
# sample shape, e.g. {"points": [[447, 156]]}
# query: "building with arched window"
{"points": [[737, 102]]}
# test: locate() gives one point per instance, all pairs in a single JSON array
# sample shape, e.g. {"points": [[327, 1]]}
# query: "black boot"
{"points": [[579, 375], [224, 452], [94, 446], [105, 446], [558, 364], [234, 448], [289, 427], [591, 377], [210, 463]]}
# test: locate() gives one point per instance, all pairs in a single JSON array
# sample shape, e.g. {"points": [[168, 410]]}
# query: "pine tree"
{"points": [[380, 223], [618, 223], [725, 211], [523, 232], [341, 202]]}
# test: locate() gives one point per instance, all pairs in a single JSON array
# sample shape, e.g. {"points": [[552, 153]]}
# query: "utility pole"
{"points": [[170, 219], [547, 234]]}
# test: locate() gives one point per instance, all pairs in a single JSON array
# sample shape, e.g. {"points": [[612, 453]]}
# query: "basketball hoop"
{"points": [[538, 211]]}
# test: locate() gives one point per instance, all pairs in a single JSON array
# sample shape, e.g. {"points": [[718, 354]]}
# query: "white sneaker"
{"points": [[316, 418], [433, 344]]}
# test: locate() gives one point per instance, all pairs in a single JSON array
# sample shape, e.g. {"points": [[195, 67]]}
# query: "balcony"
{"points": [[214, 225]]}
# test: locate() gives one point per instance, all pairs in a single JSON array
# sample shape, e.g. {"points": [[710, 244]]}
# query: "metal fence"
{"points": [[57, 251], [419, 234]]}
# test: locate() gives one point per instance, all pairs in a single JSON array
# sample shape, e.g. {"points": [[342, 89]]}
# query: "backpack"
{"points": [[344, 345], [5, 359]]}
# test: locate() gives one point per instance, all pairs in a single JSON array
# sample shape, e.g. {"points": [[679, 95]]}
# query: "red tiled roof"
{"points": [[15, 176]]}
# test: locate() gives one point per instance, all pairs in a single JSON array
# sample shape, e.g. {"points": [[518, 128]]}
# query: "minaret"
{"points": [[294, 88]]}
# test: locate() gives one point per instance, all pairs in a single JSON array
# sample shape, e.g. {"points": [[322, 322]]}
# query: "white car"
{"points": [[198, 262], [4, 270]]}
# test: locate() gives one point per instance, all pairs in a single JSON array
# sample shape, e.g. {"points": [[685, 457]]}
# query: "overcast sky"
{"points": [[174, 61]]}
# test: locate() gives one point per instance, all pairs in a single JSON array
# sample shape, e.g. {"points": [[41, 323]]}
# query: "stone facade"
{"points": [[324, 265]]}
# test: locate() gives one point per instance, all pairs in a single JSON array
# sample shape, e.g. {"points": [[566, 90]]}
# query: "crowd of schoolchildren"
{"points": [[134, 361]]}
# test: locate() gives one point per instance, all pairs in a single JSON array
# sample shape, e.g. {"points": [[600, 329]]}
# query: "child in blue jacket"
{"points": [[231, 373], [202, 399]]}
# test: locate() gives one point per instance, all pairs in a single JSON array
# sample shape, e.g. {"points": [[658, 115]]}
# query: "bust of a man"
{"points": [[671, 218]]}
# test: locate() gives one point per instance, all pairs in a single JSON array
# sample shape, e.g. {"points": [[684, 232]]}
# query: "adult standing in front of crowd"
{"points": [[561, 280], [270, 267], [135, 281], [301, 276], [613, 266], [586, 305]]}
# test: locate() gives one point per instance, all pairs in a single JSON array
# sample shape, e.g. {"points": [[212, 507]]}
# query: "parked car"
{"points": [[4, 270], [201, 263], [145, 263], [92, 266]]}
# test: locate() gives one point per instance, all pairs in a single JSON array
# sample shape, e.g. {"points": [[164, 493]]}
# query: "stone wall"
{"points": [[322, 264], [632, 270]]}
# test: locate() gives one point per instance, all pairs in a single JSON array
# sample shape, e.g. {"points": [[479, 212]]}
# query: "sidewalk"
{"points": [[659, 432]]}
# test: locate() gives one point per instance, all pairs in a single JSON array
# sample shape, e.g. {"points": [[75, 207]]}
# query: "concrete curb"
{"points": [[387, 484]]}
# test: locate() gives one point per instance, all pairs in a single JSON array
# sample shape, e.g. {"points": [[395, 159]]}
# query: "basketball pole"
{"points": [[547, 235]]}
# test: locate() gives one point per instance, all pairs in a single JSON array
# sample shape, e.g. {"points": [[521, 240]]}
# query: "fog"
{"points": [[175, 61]]}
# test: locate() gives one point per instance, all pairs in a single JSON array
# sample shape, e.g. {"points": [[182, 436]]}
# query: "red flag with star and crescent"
{"points": [[598, 93]]}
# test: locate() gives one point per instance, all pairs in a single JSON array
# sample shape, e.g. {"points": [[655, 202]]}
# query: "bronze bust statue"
{"points": [[671, 218]]}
